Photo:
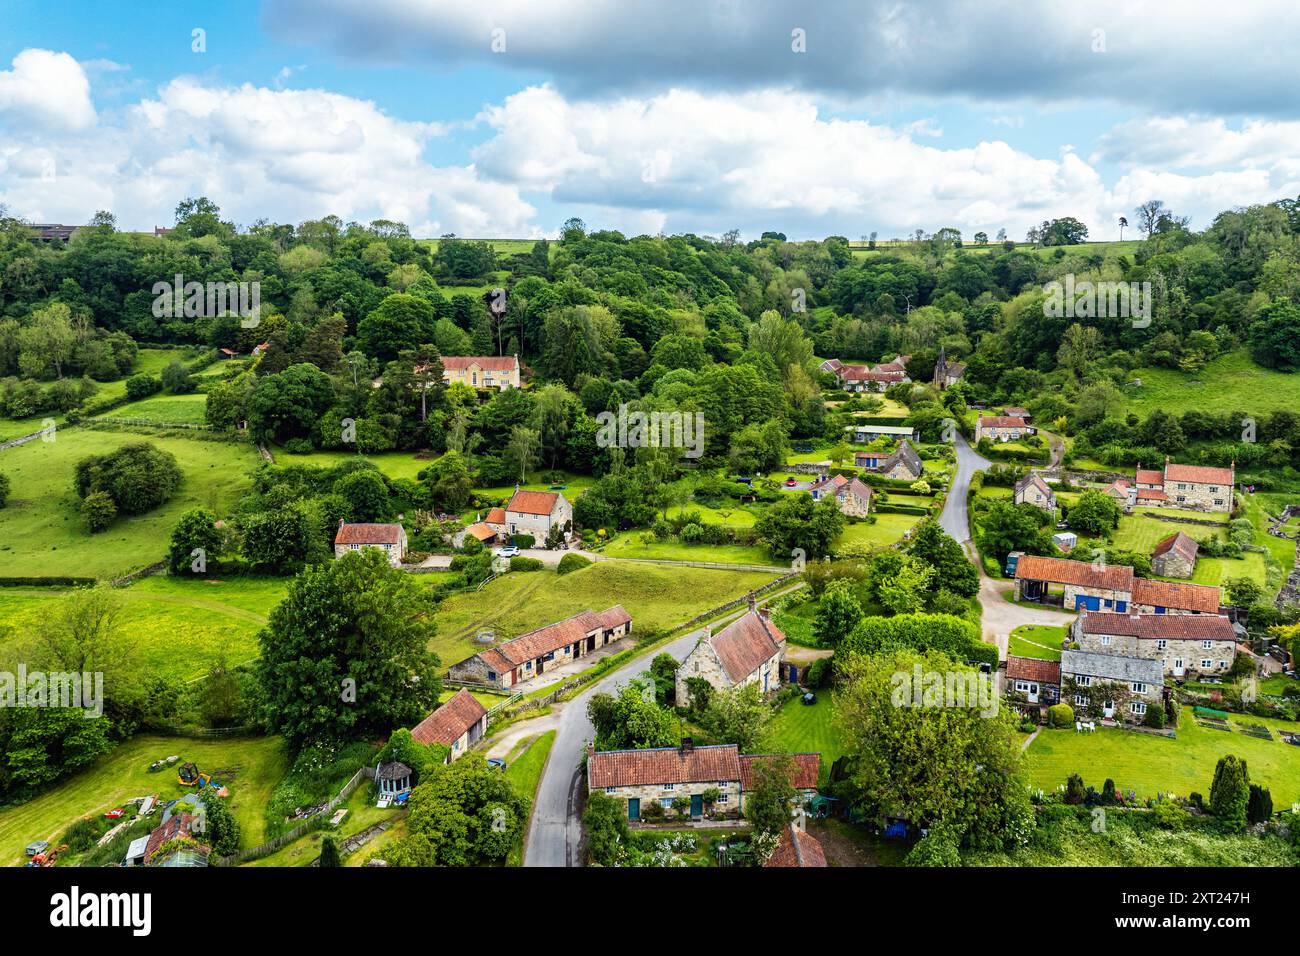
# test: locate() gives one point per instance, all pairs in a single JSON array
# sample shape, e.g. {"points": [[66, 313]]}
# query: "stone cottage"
{"points": [[535, 513], [746, 651], [1175, 556], [1144, 679], [458, 724], [1032, 489], [389, 538], [1181, 643]]}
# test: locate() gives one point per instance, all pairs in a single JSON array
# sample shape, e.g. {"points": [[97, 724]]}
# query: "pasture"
{"points": [[1230, 383], [165, 410]]}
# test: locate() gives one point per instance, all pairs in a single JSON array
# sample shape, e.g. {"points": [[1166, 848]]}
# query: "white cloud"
{"points": [[46, 91]]}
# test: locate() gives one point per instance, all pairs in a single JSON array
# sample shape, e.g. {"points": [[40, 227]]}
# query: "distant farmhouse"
{"points": [[903, 463], [482, 371], [1109, 588], [389, 538], [865, 378], [1002, 428], [1033, 490], [862, 434], [1180, 643], [52, 232], [746, 651], [535, 513], [529, 655], [1196, 487], [852, 496]]}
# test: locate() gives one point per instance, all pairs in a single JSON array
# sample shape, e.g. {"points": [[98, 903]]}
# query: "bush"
{"points": [[98, 511], [936, 848], [142, 386], [819, 673], [1155, 716], [299, 446], [523, 541], [4, 489], [1060, 715], [520, 563], [137, 477], [653, 812], [1074, 790], [572, 562], [1170, 816]]}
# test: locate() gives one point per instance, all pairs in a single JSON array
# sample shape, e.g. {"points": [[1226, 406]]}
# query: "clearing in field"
{"points": [[42, 531], [1231, 383], [165, 410]]}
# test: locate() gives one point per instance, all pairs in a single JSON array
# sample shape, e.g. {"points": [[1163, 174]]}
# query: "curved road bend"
{"points": [[953, 519]]}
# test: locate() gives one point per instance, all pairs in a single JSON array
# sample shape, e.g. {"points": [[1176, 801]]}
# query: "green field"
{"points": [[362, 814], [41, 529], [796, 622], [178, 628], [805, 728], [630, 545], [657, 596], [888, 529], [258, 764], [1151, 764], [1039, 641], [1231, 383], [165, 410]]}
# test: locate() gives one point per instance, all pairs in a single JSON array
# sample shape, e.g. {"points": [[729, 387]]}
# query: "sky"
{"points": [[502, 119]]}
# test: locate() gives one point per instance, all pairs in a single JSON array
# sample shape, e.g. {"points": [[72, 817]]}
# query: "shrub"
{"points": [[1260, 805], [299, 446], [1170, 816], [1060, 715], [819, 672], [1155, 716], [520, 563], [4, 489], [936, 848], [329, 852], [1108, 792], [98, 511], [137, 477], [606, 824], [1230, 792], [142, 386], [1074, 790], [572, 562], [524, 541], [652, 812]]}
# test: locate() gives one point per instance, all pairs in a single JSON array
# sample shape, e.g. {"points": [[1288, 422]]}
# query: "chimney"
{"points": [[688, 746], [752, 602], [342, 522], [765, 613]]}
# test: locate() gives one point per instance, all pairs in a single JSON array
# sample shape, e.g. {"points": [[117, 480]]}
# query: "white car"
{"points": [[509, 551]]}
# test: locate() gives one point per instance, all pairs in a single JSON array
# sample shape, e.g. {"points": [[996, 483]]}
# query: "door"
{"points": [[1179, 666], [634, 808], [541, 665], [1160, 610], [1084, 601], [591, 642], [697, 805], [1032, 693], [1108, 710]]}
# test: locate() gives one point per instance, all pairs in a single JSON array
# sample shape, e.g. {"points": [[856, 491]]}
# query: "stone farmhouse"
{"points": [[529, 655], [489, 529], [458, 724], [1039, 682], [1001, 428], [853, 497], [389, 538], [903, 463], [482, 371], [1181, 643], [535, 513], [1089, 587], [746, 651], [1175, 556], [1032, 489], [664, 774], [1145, 679], [1195, 487]]}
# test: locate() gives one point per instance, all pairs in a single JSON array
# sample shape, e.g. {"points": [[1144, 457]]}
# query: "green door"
{"points": [[634, 808], [697, 804]]}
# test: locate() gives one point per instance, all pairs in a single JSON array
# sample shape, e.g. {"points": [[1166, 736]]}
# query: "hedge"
{"points": [[891, 509], [1060, 715], [42, 582], [572, 562], [521, 563], [954, 636]]}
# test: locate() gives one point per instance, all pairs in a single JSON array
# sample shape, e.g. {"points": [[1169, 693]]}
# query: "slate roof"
{"points": [[1184, 597], [1113, 577], [533, 502], [745, 644], [807, 767], [633, 768], [1033, 478], [448, 722], [1030, 668], [394, 770], [362, 533], [1180, 544], [1169, 627], [796, 849], [906, 454], [1112, 667]]}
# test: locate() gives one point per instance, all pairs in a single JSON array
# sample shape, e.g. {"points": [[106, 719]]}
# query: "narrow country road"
{"points": [[954, 519]]}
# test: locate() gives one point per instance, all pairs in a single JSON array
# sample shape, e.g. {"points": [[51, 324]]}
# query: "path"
{"points": [[954, 519], [1030, 739]]}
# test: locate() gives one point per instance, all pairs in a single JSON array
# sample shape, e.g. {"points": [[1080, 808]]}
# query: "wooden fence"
{"points": [[302, 829]]}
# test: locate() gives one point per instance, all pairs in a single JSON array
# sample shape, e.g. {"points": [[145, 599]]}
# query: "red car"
{"points": [[791, 482]]}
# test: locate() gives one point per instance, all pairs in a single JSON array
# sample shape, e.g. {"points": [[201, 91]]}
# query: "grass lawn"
{"points": [[1231, 383], [630, 545], [807, 728], [179, 628], [796, 622], [735, 516], [41, 529], [487, 700], [1141, 533], [394, 464], [166, 410], [1277, 684], [657, 596], [1150, 764], [887, 530], [362, 814], [1040, 641], [258, 764]]}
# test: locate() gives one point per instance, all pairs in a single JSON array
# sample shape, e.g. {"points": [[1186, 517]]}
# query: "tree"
{"points": [[605, 821], [1123, 224], [329, 852], [137, 477], [972, 783], [222, 829], [664, 671], [345, 654], [738, 715], [289, 404], [1230, 793], [523, 451], [838, 613], [939, 847], [1244, 592], [98, 511], [1094, 514], [904, 591], [401, 323], [1274, 336], [450, 486], [953, 570], [631, 720], [366, 494], [5, 487], [1259, 809], [769, 803], [196, 531], [277, 541], [176, 378], [1148, 215], [1008, 527], [796, 521]]}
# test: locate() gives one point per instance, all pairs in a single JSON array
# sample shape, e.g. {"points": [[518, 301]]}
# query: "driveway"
{"points": [[954, 519]]}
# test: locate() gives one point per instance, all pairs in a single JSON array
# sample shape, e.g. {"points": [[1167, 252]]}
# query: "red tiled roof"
{"points": [[836, 481], [1030, 668], [533, 502], [362, 533], [1119, 484], [481, 531], [860, 373], [1151, 494], [1113, 577], [1176, 627], [488, 363], [614, 616], [446, 724], [1150, 476], [543, 640], [1184, 597], [1002, 421], [497, 661], [745, 644], [1198, 474], [496, 516], [796, 849], [178, 825], [807, 768], [1183, 544], [635, 768]]}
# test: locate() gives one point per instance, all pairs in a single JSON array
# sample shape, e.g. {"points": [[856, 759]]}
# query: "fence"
{"points": [[311, 823], [176, 730], [24, 439], [775, 569], [150, 422], [156, 568]]}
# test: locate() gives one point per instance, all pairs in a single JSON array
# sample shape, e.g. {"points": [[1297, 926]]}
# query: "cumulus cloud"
{"points": [[46, 91], [1151, 54]]}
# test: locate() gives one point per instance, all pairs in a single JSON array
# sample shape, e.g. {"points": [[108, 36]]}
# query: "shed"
{"points": [[1065, 540], [393, 777], [135, 852]]}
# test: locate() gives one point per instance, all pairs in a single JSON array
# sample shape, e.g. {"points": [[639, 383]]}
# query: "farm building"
{"points": [[903, 463], [1038, 681], [529, 655], [1196, 487], [797, 848], [458, 724], [1145, 680], [389, 538], [862, 434], [1175, 556], [1173, 597], [1108, 588], [746, 651]]}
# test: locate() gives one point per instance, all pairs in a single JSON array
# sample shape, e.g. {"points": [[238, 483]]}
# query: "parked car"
{"points": [[791, 482], [509, 551], [496, 762]]}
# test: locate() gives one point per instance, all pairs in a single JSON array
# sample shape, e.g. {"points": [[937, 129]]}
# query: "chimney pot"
{"points": [[688, 745]]}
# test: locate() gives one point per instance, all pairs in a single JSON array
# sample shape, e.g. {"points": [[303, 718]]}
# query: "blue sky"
{"points": [[503, 118]]}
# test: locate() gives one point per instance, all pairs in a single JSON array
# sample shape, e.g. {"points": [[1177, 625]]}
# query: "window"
{"points": [[1105, 638], [670, 786], [1218, 501], [1137, 707], [1080, 700], [1138, 687], [456, 745], [1207, 644], [1206, 664], [1083, 680], [549, 657], [723, 798], [1223, 663], [1161, 645], [666, 803], [611, 789], [1022, 686], [492, 675]]}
